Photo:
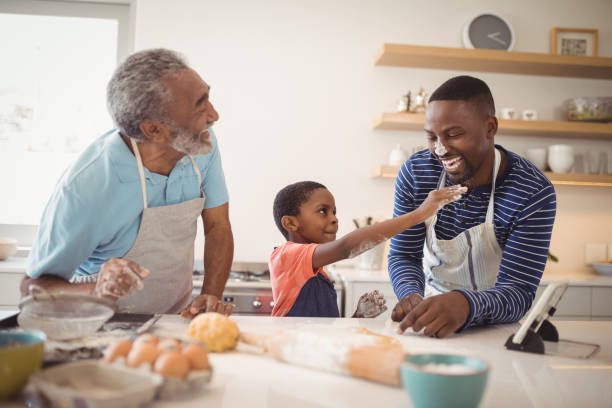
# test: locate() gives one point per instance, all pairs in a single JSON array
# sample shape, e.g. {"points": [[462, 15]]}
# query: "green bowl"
{"points": [[444, 380], [21, 354]]}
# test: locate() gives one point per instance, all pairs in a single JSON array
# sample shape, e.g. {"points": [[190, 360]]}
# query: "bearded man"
{"points": [[479, 260], [121, 222]]}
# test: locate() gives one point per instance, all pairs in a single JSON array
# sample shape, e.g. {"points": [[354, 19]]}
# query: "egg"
{"points": [[197, 356], [142, 353], [172, 364], [146, 338], [119, 348], [169, 345]]}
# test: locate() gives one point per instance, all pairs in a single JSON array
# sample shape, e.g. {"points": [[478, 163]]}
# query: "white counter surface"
{"points": [[516, 379]]}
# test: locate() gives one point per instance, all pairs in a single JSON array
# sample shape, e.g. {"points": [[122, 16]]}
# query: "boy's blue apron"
{"points": [[316, 299]]}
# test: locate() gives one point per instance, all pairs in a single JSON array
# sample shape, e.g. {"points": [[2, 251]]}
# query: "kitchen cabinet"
{"points": [[522, 63]]}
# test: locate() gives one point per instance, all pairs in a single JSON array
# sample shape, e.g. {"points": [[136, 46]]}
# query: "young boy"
{"points": [[305, 213]]}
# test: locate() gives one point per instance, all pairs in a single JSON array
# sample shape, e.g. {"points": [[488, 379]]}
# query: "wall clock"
{"points": [[490, 31]]}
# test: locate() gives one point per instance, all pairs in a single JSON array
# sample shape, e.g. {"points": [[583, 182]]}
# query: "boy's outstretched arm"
{"points": [[362, 239]]}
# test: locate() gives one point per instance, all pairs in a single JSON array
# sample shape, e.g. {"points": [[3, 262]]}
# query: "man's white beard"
{"points": [[184, 142]]}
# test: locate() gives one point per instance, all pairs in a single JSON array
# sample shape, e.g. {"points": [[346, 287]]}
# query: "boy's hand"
{"points": [[437, 199], [370, 304]]}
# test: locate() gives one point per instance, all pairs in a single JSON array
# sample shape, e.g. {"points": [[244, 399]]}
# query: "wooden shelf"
{"points": [[541, 128], [511, 62], [599, 180]]}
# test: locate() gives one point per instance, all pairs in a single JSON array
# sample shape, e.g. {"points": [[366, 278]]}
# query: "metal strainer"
{"points": [[63, 316]]}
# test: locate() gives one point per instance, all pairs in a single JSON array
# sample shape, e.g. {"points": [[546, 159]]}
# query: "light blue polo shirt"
{"points": [[95, 210]]}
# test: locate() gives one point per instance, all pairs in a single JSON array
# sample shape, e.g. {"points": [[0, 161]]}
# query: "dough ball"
{"points": [[217, 331]]}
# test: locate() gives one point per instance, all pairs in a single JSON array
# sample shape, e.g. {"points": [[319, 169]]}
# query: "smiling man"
{"points": [[121, 222], [479, 260]]}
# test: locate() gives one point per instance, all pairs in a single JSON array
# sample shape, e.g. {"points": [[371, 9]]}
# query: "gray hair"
{"points": [[136, 92]]}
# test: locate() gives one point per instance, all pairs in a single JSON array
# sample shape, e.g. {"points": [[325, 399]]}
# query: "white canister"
{"points": [[372, 258], [397, 156], [538, 157], [560, 158]]}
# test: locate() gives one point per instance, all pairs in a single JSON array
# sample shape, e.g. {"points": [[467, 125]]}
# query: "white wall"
{"points": [[297, 90]]}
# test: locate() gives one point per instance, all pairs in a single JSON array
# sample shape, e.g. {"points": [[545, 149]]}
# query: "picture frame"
{"points": [[574, 41]]}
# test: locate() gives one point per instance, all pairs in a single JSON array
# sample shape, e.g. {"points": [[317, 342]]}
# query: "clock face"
{"points": [[491, 32]]}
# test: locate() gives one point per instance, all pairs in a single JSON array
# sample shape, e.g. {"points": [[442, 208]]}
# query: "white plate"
{"points": [[603, 268]]}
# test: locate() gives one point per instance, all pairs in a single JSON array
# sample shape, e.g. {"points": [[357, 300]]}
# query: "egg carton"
{"points": [[172, 387]]}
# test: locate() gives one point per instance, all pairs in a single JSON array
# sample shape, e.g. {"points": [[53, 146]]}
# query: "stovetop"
{"points": [[242, 274]]}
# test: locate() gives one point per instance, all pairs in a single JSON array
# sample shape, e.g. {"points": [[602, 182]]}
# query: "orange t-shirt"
{"points": [[290, 268]]}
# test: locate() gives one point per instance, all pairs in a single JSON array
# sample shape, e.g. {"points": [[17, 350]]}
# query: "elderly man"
{"points": [[480, 259], [121, 222]]}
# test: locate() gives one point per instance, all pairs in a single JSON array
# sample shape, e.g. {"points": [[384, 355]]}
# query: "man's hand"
{"points": [[119, 277], [405, 306], [207, 303], [440, 315], [370, 304]]}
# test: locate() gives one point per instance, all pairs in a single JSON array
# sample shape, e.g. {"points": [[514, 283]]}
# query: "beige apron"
{"points": [[164, 245], [470, 260]]}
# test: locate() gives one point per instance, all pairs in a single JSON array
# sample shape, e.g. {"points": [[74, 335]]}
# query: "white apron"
{"points": [[470, 260], [164, 245]]}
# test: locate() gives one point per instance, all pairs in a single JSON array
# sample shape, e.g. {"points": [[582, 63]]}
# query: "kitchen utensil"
{"points": [[21, 353], [603, 267], [588, 109], [560, 158], [63, 316], [444, 380], [537, 156], [96, 384], [357, 352], [372, 258], [8, 247]]}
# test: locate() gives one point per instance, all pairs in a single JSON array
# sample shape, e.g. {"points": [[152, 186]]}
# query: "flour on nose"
{"points": [[439, 148]]}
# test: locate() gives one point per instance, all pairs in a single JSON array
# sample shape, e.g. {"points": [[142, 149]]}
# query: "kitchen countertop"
{"points": [[250, 379], [516, 378], [350, 274]]}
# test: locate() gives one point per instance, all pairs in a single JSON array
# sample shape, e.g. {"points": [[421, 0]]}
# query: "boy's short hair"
{"points": [[289, 200], [466, 88]]}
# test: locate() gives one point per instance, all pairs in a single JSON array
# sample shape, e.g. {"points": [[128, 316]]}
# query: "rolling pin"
{"points": [[356, 352]]}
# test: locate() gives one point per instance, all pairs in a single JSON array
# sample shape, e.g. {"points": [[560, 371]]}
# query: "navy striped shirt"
{"points": [[524, 213]]}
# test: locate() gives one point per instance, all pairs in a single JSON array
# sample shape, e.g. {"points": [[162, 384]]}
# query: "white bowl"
{"points": [[8, 247], [537, 156], [560, 158], [64, 316], [604, 268]]}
